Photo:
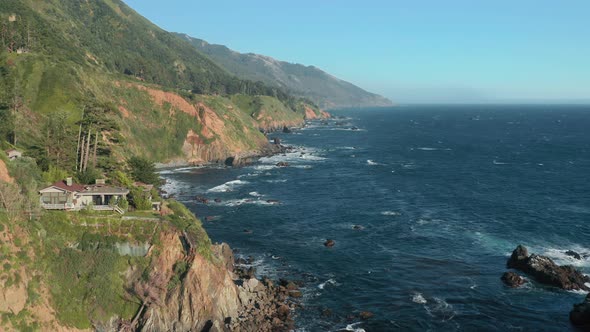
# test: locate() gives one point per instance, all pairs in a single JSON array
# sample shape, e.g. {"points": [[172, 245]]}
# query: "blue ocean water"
{"points": [[443, 193]]}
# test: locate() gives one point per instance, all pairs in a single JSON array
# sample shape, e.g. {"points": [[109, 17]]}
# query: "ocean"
{"points": [[442, 195]]}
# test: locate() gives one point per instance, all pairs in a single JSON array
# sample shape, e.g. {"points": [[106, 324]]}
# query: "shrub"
{"points": [[140, 199], [54, 174], [180, 269], [123, 204], [143, 170]]}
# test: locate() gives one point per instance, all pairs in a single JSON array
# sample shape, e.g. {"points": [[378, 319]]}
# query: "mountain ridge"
{"points": [[308, 81]]}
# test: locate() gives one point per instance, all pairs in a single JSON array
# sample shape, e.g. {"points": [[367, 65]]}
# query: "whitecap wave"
{"points": [[418, 298], [433, 149], [579, 291], [371, 162], [298, 154], [353, 327], [247, 201], [390, 213], [331, 282], [559, 255], [276, 181], [247, 175], [228, 186], [499, 162], [255, 194], [264, 167]]}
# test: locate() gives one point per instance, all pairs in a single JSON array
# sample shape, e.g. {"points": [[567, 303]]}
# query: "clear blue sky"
{"points": [[412, 50]]}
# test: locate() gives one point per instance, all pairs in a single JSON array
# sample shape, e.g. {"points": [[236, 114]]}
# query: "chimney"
{"points": [[69, 181]]}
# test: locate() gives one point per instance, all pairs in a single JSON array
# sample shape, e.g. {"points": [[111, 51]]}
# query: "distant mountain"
{"points": [[310, 82]]}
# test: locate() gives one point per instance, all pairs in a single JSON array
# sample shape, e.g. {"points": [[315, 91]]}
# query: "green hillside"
{"points": [[310, 82], [71, 70]]}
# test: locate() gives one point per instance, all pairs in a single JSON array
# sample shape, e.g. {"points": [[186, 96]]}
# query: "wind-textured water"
{"points": [[443, 193]]}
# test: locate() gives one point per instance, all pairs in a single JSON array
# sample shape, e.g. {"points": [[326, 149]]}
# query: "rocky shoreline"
{"points": [[243, 158]]}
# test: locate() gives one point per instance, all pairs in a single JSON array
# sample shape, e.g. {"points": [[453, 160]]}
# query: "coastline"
{"points": [[247, 157]]}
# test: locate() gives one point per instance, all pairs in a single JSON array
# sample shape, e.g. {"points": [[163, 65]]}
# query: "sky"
{"points": [[412, 51]]}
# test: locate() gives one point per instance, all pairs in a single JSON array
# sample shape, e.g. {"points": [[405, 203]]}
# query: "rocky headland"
{"points": [[207, 294]]}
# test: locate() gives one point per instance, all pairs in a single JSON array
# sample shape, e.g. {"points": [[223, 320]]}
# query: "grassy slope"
{"points": [[83, 48]]}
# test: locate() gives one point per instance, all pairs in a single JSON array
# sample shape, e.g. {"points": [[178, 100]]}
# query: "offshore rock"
{"points": [[580, 314], [512, 279], [329, 243], [573, 254], [545, 271], [364, 315]]}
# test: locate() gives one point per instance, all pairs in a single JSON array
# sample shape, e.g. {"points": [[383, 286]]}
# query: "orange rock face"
{"points": [[4, 176]]}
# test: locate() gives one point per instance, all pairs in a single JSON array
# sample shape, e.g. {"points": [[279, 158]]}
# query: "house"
{"points": [[67, 195], [14, 154]]}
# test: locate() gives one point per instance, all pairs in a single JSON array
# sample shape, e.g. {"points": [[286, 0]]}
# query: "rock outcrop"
{"points": [[209, 296], [580, 314], [545, 271], [512, 279], [4, 176]]}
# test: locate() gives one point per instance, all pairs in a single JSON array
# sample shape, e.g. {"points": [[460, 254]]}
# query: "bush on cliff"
{"points": [[143, 170]]}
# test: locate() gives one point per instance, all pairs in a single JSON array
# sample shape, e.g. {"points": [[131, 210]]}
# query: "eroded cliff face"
{"points": [[208, 296], [205, 295], [310, 114], [203, 129], [221, 137], [4, 176]]}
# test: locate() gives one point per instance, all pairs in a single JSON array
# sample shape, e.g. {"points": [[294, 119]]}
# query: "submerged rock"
{"points": [[330, 243], [358, 227], [580, 314], [202, 199], [545, 271], [364, 315], [512, 279], [573, 254], [282, 164]]}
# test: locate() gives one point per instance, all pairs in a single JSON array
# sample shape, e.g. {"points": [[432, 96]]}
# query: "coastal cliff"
{"points": [[208, 295], [84, 90], [62, 274]]}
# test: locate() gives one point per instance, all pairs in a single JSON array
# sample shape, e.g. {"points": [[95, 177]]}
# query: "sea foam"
{"points": [[228, 186]]}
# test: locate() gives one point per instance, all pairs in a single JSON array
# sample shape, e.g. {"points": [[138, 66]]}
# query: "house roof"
{"points": [[74, 187], [87, 190]]}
